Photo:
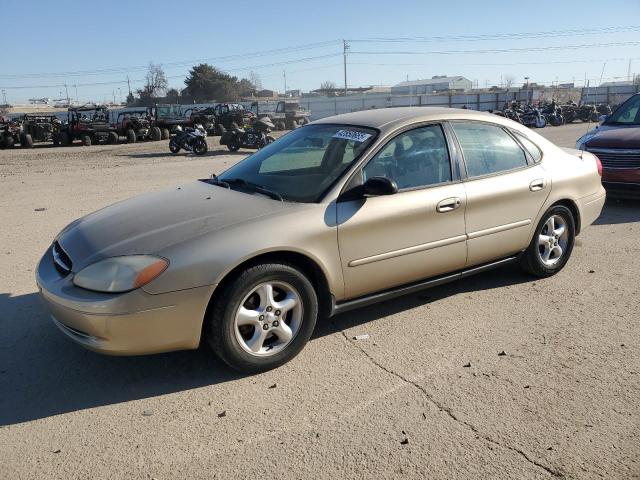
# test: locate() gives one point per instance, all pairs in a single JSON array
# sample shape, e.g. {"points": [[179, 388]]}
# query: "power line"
{"points": [[499, 50], [503, 36], [559, 62]]}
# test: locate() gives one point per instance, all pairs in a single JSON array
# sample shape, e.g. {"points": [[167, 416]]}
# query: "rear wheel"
{"points": [[112, 138], [165, 134], [7, 141], [267, 317], [26, 140], [156, 134], [86, 140], [280, 126], [131, 136], [552, 243], [173, 146], [233, 145], [65, 141]]}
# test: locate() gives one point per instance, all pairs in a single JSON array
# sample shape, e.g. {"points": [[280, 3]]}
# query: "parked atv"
{"points": [[231, 115], [89, 124], [135, 125], [10, 132], [189, 139], [205, 117], [39, 127], [255, 137], [287, 115], [168, 117]]}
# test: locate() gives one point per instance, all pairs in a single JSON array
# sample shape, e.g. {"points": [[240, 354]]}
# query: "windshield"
{"points": [[627, 114], [301, 165]]}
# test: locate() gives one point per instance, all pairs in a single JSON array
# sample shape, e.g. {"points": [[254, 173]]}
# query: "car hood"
{"points": [[149, 223], [615, 137]]}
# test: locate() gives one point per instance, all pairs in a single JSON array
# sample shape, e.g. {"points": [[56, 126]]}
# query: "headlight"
{"points": [[120, 274]]}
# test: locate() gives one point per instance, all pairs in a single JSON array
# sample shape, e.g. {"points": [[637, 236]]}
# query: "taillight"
{"points": [[598, 164]]}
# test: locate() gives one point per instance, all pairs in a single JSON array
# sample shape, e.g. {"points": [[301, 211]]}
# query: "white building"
{"points": [[438, 83]]}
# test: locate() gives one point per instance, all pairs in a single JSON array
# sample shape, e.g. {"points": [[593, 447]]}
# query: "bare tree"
{"points": [[327, 87], [155, 81], [508, 80], [255, 80]]}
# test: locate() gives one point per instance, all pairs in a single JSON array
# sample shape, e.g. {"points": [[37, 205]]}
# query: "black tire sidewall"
{"points": [[221, 334], [532, 261]]}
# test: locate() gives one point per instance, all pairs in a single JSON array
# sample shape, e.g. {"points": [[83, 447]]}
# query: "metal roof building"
{"points": [[438, 83]]}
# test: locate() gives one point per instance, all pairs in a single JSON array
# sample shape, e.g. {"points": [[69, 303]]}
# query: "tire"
{"points": [[532, 260], [8, 142], [156, 134], [56, 139], [64, 139], [86, 140], [280, 126], [304, 121], [173, 146], [112, 138], [233, 145], [165, 134], [26, 140], [131, 136], [270, 139], [200, 146], [231, 342]]}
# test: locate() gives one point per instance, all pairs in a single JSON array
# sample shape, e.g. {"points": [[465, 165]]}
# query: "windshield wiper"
{"points": [[252, 186], [213, 180]]}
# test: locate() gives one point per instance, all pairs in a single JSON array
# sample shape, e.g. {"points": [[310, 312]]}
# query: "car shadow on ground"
{"points": [[618, 210], [42, 373]]}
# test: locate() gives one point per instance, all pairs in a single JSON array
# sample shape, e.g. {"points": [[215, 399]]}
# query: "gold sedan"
{"points": [[342, 212]]}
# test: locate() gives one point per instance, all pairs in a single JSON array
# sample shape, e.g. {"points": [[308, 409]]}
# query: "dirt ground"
{"points": [[428, 395]]}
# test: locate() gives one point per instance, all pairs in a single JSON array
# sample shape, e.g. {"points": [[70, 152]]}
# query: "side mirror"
{"points": [[376, 186]]}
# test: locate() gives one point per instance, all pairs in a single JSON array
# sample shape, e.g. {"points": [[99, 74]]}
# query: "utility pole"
{"points": [[345, 48], [4, 97], [284, 75], [129, 84], [66, 90], [629, 71]]}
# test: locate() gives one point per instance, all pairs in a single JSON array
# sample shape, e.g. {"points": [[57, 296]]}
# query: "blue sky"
{"points": [[44, 45]]}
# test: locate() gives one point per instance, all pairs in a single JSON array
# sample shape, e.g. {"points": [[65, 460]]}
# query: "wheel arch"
{"points": [[307, 265], [573, 207]]}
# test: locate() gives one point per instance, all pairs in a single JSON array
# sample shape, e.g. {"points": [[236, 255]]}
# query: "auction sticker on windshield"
{"points": [[352, 135]]}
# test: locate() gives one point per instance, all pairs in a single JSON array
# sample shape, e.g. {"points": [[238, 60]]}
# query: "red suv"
{"points": [[616, 142]]}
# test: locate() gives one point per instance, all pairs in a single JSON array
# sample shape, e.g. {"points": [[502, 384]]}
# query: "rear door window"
{"points": [[488, 149]]}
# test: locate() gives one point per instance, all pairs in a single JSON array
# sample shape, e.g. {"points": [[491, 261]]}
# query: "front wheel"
{"points": [[200, 146], [233, 145], [263, 318], [26, 140], [552, 243], [173, 146]]}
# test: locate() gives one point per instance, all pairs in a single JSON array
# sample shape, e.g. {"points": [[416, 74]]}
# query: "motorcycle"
{"points": [[532, 117], [553, 113], [191, 140], [255, 136], [569, 112], [588, 113]]}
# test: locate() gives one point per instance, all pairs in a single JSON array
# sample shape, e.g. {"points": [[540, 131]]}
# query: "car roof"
{"points": [[391, 118]]}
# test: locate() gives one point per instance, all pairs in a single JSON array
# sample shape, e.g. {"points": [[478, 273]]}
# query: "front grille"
{"points": [[61, 259], [617, 158]]}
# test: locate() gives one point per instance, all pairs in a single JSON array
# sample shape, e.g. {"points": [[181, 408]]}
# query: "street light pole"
{"points": [[345, 48]]}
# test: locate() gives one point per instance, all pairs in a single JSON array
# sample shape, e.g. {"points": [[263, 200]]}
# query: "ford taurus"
{"points": [[337, 214]]}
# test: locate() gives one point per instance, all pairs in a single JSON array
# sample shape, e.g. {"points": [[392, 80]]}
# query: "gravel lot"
{"points": [[564, 400]]}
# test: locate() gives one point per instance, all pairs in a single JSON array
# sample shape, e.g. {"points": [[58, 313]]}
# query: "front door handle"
{"points": [[448, 204], [536, 185]]}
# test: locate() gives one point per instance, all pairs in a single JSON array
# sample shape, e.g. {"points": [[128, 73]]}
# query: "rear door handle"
{"points": [[536, 185], [448, 204]]}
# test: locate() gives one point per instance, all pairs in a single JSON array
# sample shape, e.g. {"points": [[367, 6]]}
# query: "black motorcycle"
{"points": [[588, 113], [569, 112], [255, 137], [191, 140], [553, 113]]}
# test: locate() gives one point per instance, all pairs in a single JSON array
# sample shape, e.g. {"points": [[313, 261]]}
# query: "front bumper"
{"points": [[131, 323]]}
